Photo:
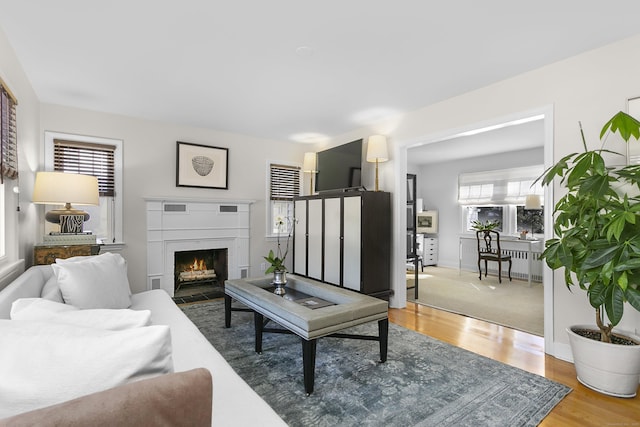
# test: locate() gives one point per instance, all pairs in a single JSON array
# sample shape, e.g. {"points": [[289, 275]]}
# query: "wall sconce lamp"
{"points": [[59, 188], [377, 152], [309, 166]]}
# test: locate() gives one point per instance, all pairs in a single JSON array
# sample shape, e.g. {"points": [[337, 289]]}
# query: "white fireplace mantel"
{"points": [[181, 224]]}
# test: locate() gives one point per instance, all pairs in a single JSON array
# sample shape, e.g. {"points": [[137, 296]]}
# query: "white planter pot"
{"points": [[611, 369]]}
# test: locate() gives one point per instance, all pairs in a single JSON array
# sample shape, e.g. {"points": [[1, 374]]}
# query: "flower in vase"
{"points": [[277, 258]]}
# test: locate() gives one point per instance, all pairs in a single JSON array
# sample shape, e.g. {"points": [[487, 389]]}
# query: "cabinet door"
{"points": [[315, 239], [332, 239], [352, 238], [300, 238]]}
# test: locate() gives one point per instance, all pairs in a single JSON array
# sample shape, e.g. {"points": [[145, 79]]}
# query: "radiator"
{"points": [[519, 252]]}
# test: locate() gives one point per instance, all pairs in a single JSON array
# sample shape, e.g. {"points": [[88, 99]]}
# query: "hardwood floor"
{"points": [[582, 407]]}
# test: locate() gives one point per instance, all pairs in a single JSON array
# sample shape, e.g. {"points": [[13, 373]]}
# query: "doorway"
{"points": [[544, 117]]}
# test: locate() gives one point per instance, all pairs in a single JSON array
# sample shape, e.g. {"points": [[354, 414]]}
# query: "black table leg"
{"points": [[383, 335], [309, 364], [258, 320], [227, 311]]}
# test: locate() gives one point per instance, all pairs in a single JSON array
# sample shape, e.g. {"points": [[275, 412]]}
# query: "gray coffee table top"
{"points": [[350, 309]]}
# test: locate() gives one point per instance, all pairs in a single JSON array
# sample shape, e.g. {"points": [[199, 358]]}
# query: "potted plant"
{"points": [[488, 225], [276, 259], [597, 224]]}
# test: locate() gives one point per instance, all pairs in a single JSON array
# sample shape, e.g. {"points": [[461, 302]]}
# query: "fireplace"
{"points": [[181, 225], [200, 267]]}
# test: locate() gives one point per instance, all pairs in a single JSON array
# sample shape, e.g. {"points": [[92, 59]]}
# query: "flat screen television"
{"points": [[339, 167]]}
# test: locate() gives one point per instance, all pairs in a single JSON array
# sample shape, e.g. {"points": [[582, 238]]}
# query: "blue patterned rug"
{"points": [[425, 382]]}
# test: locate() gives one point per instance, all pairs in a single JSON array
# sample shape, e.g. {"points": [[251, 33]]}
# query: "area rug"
{"points": [[513, 304], [425, 382]]}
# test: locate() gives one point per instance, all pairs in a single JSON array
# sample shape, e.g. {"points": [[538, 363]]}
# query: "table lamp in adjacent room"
{"points": [[532, 202], [59, 188], [309, 166], [377, 152]]}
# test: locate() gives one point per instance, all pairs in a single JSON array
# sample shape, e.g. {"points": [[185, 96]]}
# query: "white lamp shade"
{"points": [[377, 149], [309, 163], [59, 188], [533, 202]]}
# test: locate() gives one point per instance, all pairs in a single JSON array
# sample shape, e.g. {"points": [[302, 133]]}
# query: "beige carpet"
{"points": [[513, 304]]}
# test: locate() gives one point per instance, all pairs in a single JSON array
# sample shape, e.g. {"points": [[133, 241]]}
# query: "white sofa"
{"points": [[234, 402]]}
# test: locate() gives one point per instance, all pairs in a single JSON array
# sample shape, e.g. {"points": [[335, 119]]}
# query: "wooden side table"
{"points": [[47, 254]]}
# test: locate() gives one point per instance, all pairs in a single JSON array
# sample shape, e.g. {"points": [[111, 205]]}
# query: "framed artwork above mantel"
{"points": [[202, 166]]}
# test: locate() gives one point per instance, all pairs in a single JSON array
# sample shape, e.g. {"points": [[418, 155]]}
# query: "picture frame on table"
{"points": [[202, 166]]}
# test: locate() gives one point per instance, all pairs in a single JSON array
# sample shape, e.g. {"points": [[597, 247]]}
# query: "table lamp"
{"points": [[377, 152], [309, 166], [532, 202], [59, 188]]}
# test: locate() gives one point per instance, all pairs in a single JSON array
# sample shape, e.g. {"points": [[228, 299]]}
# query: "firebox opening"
{"points": [[200, 268]]}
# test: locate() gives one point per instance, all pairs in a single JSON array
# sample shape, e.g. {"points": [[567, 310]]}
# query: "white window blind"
{"points": [[8, 135], [504, 186], [89, 159], [285, 182]]}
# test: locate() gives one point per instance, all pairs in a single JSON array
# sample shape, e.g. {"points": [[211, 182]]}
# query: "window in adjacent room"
{"points": [[284, 185], [484, 214], [102, 158], [530, 220]]}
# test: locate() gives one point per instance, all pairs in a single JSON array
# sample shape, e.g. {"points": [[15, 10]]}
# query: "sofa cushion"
{"points": [[42, 364], [94, 282], [51, 290], [180, 399], [56, 312]]}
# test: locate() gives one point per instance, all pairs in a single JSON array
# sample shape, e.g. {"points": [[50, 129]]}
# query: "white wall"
{"points": [[150, 171], [438, 187]]}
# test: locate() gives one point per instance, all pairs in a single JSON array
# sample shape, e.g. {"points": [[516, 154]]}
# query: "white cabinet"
{"points": [[429, 251], [332, 215], [344, 239]]}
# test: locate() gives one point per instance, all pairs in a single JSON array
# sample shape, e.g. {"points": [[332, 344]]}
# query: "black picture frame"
{"points": [[202, 166]]}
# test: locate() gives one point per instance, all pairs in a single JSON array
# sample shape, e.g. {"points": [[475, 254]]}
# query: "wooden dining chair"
{"points": [[489, 250]]}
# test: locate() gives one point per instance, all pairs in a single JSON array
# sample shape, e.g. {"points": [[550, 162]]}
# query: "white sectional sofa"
{"points": [[234, 403]]}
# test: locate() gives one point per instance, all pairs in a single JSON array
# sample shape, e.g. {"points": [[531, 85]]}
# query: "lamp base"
{"points": [[71, 220]]}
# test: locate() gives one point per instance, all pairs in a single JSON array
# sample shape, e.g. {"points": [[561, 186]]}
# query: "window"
{"points": [[284, 185], [8, 171], [102, 158], [498, 187], [484, 214], [8, 134], [531, 220]]}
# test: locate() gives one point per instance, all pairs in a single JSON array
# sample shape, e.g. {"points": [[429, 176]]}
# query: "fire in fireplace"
{"points": [[200, 267]]}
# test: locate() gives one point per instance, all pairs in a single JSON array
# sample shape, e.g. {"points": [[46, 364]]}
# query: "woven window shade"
{"points": [[8, 135], [89, 159], [285, 182]]}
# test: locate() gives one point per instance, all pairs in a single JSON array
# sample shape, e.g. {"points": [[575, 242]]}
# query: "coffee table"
{"points": [[340, 309]]}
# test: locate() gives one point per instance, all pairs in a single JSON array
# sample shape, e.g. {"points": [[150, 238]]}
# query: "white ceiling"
{"points": [[283, 69], [510, 138]]}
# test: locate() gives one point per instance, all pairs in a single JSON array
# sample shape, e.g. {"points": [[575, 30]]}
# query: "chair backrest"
{"points": [[488, 241]]}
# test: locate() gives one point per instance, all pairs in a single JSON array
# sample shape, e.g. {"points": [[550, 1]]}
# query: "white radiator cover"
{"points": [[520, 251], [175, 225]]}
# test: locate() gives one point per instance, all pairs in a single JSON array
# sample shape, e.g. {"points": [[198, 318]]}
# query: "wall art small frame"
{"points": [[202, 166]]}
